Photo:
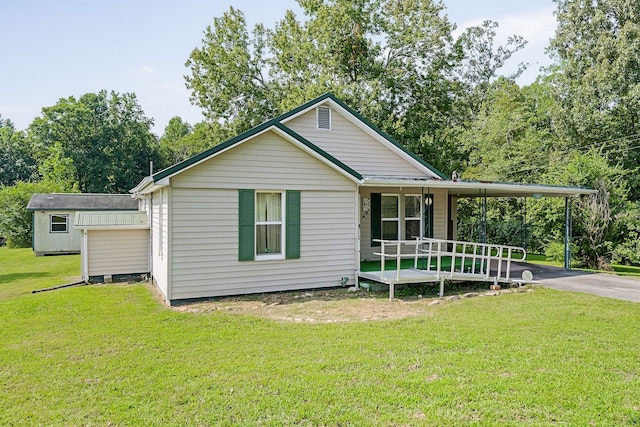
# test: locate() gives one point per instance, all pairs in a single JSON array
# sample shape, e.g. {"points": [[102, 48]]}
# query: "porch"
{"points": [[428, 260]]}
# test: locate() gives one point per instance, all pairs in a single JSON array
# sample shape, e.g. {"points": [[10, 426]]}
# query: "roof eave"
{"points": [[476, 188]]}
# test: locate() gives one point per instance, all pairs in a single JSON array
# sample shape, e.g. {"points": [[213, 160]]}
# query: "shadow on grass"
{"points": [[7, 278]]}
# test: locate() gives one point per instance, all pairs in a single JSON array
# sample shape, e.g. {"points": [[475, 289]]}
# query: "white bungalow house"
{"points": [[296, 203]]}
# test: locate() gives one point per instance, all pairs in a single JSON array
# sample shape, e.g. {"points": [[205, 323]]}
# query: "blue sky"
{"points": [[56, 49]]}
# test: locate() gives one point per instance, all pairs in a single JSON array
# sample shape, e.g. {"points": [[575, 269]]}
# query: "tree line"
{"points": [[400, 64]]}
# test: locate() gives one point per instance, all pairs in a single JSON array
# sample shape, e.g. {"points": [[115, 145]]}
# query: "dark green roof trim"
{"points": [[211, 151], [318, 150], [276, 122], [366, 122], [248, 134]]}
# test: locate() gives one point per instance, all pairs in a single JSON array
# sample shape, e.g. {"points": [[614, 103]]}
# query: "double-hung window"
{"points": [[269, 233], [58, 223], [395, 216], [390, 217], [269, 225], [412, 216]]}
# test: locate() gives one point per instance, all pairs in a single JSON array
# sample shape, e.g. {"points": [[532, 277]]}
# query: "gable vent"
{"points": [[324, 117]]}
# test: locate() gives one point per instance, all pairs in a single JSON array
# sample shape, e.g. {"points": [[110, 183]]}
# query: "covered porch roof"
{"points": [[460, 188]]}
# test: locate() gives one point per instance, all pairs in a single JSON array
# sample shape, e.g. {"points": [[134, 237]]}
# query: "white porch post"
{"points": [[568, 225]]}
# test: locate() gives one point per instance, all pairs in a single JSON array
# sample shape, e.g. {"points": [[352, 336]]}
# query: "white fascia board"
{"points": [[468, 188]]}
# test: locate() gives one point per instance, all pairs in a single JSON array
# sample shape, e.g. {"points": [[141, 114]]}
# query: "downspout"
{"points": [[358, 216]]}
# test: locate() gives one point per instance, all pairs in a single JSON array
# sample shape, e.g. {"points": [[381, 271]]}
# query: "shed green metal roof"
{"points": [[111, 220]]}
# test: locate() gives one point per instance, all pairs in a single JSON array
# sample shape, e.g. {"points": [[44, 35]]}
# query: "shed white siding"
{"points": [[204, 219], [113, 252], [353, 146], [46, 242], [439, 216]]}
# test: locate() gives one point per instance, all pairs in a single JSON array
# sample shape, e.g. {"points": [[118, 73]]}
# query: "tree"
{"points": [[106, 135], [17, 161], [58, 171], [511, 139], [171, 148], [15, 219], [482, 59], [599, 219], [395, 60], [597, 77]]}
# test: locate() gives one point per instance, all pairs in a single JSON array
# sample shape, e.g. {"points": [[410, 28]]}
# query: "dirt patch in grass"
{"points": [[336, 305]]}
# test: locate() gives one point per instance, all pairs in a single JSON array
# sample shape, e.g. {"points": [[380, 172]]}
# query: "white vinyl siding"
{"points": [[263, 163], [113, 252], [352, 146], [439, 217], [204, 218], [205, 246]]}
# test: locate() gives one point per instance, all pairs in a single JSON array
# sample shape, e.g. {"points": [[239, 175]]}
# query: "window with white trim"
{"points": [[269, 224], [58, 223], [412, 216], [390, 217]]}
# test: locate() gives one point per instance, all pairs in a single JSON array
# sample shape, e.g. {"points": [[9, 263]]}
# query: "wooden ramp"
{"points": [[468, 261]]}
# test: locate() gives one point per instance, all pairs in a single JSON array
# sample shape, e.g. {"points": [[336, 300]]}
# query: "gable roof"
{"points": [[81, 202], [272, 124], [277, 124], [375, 130]]}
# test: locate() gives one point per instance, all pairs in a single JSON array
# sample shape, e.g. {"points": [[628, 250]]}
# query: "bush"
{"points": [[15, 219]]}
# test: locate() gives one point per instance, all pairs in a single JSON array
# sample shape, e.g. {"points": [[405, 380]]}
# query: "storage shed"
{"points": [[114, 243], [53, 214]]}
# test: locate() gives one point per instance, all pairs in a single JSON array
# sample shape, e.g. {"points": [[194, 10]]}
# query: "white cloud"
{"points": [[143, 70], [537, 27]]}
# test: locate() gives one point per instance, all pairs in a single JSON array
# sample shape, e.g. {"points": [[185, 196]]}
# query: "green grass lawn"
{"points": [[112, 355]]}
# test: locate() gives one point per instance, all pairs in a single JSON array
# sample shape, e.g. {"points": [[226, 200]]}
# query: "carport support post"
{"points": [[567, 233], [482, 226]]}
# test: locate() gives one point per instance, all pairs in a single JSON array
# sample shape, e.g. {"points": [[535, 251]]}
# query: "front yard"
{"points": [[112, 355]]}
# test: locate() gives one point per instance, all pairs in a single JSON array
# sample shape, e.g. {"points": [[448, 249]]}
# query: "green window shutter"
{"points": [[292, 246], [376, 218], [246, 239]]}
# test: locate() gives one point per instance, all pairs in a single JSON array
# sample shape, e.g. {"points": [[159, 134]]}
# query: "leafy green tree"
{"points": [[511, 139], [58, 171], [482, 60], [15, 219], [106, 135], [17, 161], [599, 220], [181, 141], [396, 61], [597, 77]]}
